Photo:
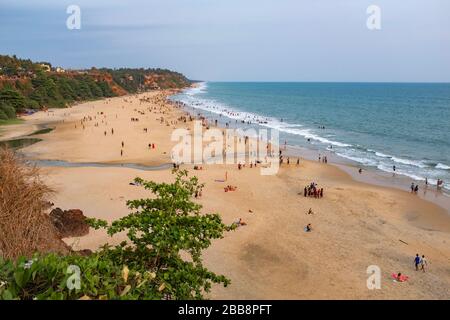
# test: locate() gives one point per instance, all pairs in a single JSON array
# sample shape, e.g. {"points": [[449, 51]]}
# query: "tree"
{"points": [[8, 110], [160, 229], [13, 98], [149, 265]]}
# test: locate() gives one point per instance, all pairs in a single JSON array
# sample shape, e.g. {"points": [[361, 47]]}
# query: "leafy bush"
{"points": [[8, 110], [160, 260], [3, 115], [13, 98]]}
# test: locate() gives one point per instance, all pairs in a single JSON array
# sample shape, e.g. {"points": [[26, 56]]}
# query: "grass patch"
{"points": [[19, 143], [10, 121], [42, 131]]}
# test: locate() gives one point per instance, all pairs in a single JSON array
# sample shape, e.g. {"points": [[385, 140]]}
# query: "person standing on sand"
{"points": [[412, 187], [417, 262], [423, 263]]}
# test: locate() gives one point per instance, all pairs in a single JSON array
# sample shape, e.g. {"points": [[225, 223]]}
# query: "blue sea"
{"points": [[376, 125]]}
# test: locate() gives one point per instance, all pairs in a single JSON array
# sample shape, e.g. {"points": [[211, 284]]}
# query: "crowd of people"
{"points": [[312, 190]]}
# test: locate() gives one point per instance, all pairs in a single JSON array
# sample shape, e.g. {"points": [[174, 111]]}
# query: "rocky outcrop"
{"points": [[69, 223]]}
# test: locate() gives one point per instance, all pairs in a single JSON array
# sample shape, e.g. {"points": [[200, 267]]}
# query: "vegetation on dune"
{"points": [[160, 260], [24, 226], [29, 85], [10, 121]]}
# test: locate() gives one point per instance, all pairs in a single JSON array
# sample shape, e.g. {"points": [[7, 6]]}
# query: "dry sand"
{"points": [[354, 225]]}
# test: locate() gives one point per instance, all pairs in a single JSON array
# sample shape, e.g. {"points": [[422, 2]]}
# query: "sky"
{"points": [[238, 40]]}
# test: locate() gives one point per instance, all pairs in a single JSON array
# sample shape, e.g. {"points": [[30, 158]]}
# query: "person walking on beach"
{"points": [[412, 187], [417, 262], [393, 168], [423, 263]]}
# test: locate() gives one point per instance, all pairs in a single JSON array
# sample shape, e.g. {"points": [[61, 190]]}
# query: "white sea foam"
{"points": [[382, 155], [415, 169], [442, 166], [270, 122], [199, 88], [415, 163], [364, 161]]}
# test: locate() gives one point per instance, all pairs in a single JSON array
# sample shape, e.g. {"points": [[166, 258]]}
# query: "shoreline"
{"points": [[310, 138], [376, 177], [355, 225], [372, 176]]}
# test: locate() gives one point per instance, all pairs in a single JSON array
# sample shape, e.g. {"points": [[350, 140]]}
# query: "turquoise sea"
{"points": [[377, 125]]}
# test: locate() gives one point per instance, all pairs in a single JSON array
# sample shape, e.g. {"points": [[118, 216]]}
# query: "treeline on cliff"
{"points": [[25, 84]]}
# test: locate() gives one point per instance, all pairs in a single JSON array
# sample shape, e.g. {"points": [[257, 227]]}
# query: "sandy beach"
{"points": [[355, 224]]}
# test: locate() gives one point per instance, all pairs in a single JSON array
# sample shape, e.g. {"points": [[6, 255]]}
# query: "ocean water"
{"points": [[376, 125]]}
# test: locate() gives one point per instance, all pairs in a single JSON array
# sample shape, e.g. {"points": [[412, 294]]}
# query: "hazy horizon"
{"points": [[236, 41]]}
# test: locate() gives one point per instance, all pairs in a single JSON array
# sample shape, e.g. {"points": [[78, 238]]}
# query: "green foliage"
{"points": [[134, 80], [29, 85], [12, 97], [3, 115], [8, 110], [161, 259], [10, 121]]}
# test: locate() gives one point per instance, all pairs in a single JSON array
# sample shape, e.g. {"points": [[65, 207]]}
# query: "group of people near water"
{"points": [[312, 190], [414, 188], [323, 159]]}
